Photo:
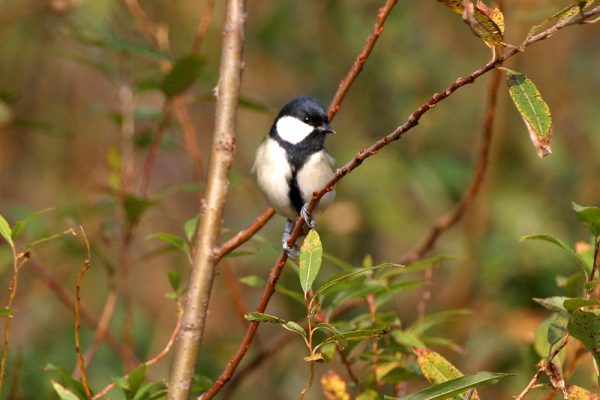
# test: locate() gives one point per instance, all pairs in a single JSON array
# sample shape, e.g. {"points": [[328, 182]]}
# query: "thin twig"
{"points": [[359, 62], [589, 291], [67, 299], [161, 354], [18, 261], [454, 216], [86, 266], [309, 383], [244, 235], [223, 147], [410, 123], [203, 25]]}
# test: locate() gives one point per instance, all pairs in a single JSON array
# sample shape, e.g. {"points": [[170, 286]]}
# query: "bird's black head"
{"points": [[301, 120]]}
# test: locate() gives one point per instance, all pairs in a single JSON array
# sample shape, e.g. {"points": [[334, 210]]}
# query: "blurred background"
{"points": [[80, 109]]}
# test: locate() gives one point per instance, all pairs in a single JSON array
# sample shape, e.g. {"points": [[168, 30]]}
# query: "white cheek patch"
{"points": [[293, 130]]}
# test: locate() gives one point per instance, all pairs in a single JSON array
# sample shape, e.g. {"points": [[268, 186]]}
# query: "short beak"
{"points": [[326, 128]]}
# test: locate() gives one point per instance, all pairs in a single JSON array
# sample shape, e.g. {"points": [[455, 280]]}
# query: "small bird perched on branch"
{"points": [[291, 163]]}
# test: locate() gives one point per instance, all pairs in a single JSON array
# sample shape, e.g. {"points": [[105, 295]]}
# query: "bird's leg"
{"points": [[292, 252], [308, 219]]}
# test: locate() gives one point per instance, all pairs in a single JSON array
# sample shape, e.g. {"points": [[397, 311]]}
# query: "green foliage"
{"points": [[455, 386], [183, 75], [311, 255], [5, 231], [533, 110]]}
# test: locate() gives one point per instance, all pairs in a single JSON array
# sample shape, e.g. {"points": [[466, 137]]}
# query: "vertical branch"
{"points": [[450, 219], [18, 261], [86, 266], [204, 262]]}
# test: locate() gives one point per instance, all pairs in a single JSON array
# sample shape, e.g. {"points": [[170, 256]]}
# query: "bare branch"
{"points": [[204, 262], [81, 361]]}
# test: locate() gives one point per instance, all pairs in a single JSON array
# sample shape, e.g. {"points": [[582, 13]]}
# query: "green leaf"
{"points": [[576, 303], [455, 386], [190, 227], [407, 340], [563, 15], [551, 239], [151, 390], [589, 216], [253, 281], [63, 393], [262, 317], [435, 367], [294, 327], [183, 75], [72, 384], [135, 206], [21, 224], [317, 357], [368, 394], [578, 393], [311, 255], [5, 231], [333, 282], [549, 332], [136, 378], [174, 279], [5, 311], [533, 110], [173, 240], [337, 334], [201, 383], [585, 326], [554, 303], [485, 22]]}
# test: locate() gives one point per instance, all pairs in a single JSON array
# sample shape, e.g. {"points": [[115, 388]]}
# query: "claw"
{"points": [[308, 219], [292, 252]]}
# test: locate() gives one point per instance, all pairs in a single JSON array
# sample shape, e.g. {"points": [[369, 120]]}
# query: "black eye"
{"points": [[307, 119]]}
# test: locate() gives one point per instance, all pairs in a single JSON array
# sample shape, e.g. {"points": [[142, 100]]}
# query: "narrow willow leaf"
{"points": [[311, 255], [436, 369], [589, 216], [333, 282], [318, 357], [585, 326], [574, 304], [296, 296], [190, 227], [485, 22], [554, 303], [253, 281], [151, 391], [563, 15], [183, 75], [5, 231], [63, 393], [554, 240], [174, 279], [73, 386], [136, 378], [294, 327], [135, 207], [5, 311], [21, 224], [455, 386], [173, 240], [533, 110], [334, 386], [262, 317], [578, 393]]}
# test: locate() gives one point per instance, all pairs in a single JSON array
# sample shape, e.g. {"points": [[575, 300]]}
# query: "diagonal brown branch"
{"points": [[223, 147], [362, 155]]}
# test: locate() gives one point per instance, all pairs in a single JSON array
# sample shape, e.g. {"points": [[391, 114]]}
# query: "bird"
{"points": [[292, 162]]}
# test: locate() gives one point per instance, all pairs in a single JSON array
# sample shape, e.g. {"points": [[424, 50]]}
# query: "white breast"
{"points": [[313, 176], [273, 174]]}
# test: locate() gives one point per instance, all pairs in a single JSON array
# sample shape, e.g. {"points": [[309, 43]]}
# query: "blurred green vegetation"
{"points": [[64, 75]]}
